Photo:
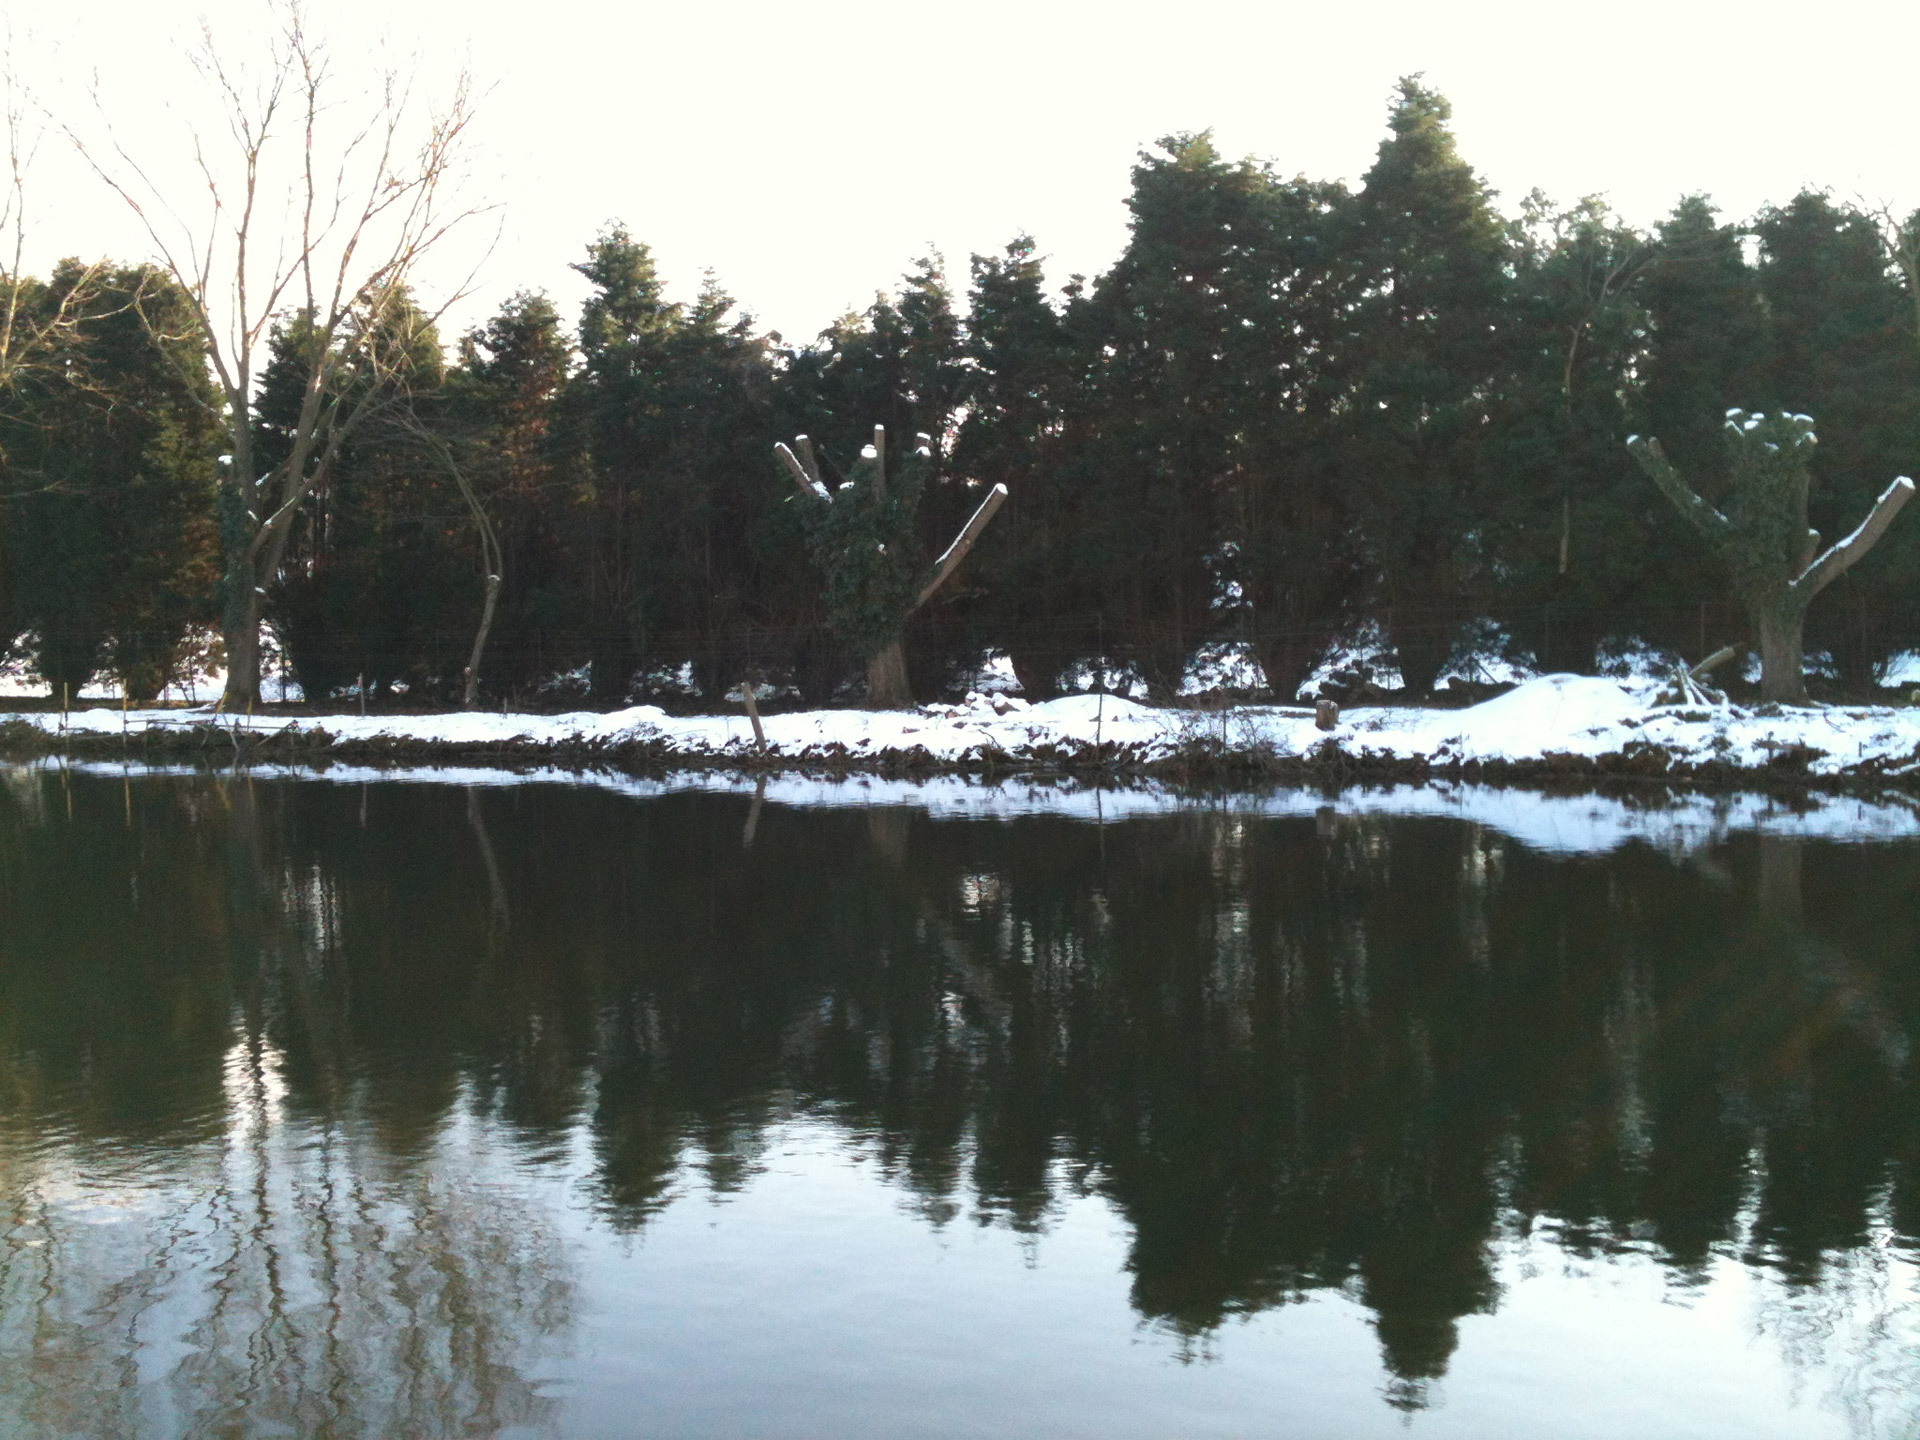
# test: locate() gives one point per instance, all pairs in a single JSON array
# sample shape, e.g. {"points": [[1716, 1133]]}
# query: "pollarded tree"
{"points": [[1761, 537], [864, 534]]}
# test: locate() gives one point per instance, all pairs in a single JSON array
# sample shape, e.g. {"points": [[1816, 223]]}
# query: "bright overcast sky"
{"points": [[806, 151]]}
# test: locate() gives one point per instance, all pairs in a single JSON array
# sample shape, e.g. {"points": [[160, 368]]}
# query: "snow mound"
{"points": [[1573, 713]]}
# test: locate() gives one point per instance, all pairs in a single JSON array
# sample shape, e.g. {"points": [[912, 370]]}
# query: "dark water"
{"points": [[406, 1110]]}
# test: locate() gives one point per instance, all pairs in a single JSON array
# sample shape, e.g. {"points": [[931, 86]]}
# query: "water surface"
{"points": [[371, 1110]]}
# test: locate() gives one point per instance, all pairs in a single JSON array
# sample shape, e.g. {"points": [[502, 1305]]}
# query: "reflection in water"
{"points": [[277, 1061], [212, 1223]]}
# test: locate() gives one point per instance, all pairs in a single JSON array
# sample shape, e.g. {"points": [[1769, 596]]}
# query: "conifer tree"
{"points": [[1579, 551], [1302, 577], [111, 458], [1707, 336], [1017, 388], [1430, 289], [504, 401], [672, 402], [1166, 333], [373, 580]]}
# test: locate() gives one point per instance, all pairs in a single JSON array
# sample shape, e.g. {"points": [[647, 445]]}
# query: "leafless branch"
{"points": [[345, 207], [1841, 557]]}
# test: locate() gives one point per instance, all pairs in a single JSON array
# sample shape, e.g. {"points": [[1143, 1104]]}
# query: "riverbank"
{"points": [[1556, 728]]}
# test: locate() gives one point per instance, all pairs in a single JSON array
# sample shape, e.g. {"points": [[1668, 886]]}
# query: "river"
{"points": [[382, 1108]]}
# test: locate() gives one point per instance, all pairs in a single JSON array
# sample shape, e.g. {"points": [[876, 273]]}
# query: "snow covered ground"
{"points": [[1559, 721]]}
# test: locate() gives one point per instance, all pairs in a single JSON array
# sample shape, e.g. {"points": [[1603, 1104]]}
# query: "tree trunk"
{"points": [[1569, 642], [471, 696], [1847, 628], [240, 629], [1782, 671], [611, 663], [1424, 647], [887, 687], [1287, 662], [1038, 673]]}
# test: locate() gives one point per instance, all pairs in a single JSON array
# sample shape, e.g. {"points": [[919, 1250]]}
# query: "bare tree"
{"points": [[1902, 239], [30, 336], [317, 206]]}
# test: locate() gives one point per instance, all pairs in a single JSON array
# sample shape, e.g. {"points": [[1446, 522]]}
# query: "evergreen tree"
{"points": [[1019, 383], [1430, 275], [1708, 337], [505, 401], [1839, 346], [111, 458], [1166, 331], [1579, 549], [374, 587], [1303, 577], [670, 403]]}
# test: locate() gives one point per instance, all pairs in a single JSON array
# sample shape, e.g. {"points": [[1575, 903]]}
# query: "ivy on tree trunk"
{"points": [[864, 536], [1762, 539]]}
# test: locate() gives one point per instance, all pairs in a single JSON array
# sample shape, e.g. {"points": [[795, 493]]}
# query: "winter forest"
{"points": [[1290, 413]]}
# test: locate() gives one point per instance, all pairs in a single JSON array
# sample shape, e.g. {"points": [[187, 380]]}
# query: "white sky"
{"points": [[806, 151]]}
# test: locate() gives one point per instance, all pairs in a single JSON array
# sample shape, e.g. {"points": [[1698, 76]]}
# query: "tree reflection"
{"points": [[1296, 1056], [211, 1225]]}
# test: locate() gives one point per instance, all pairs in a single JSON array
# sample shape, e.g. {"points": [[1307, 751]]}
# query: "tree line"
{"points": [[1289, 407]]}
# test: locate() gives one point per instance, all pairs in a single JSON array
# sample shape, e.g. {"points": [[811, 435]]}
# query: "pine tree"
{"points": [[1163, 338], [375, 587], [1579, 551], [111, 458], [504, 401], [674, 406], [1303, 579], [1017, 387], [1430, 280], [626, 328]]}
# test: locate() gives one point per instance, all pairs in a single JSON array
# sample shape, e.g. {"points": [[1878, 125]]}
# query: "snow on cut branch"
{"points": [[1839, 559], [807, 477], [1707, 520], [957, 551]]}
